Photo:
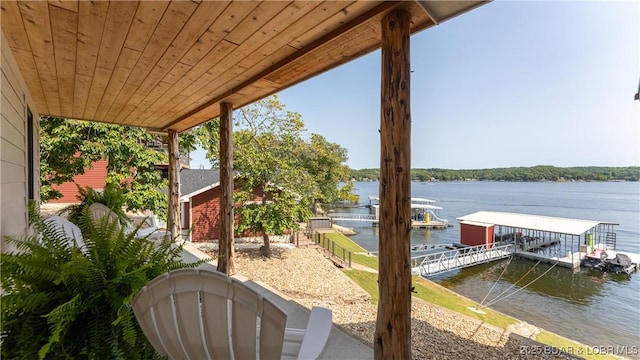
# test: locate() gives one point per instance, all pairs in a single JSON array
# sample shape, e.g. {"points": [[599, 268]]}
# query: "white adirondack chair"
{"points": [[67, 229], [98, 211], [203, 314]]}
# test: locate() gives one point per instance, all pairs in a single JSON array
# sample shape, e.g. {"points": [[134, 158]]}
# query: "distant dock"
{"points": [[433, 224], [424, 215]]}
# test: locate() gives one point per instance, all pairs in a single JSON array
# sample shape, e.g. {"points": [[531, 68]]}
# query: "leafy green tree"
{"points": [[67, 147], [326, 163], [208, 135], [272, 156], [264, 157], [346, 192]]}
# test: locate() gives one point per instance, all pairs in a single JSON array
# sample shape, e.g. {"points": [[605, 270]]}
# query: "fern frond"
{"points": [[59, 319]]}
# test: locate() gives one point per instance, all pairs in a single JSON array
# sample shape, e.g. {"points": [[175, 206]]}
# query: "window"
{"points": [[31, 156]]}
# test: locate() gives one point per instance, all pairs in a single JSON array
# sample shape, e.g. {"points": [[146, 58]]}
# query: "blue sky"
{"points": [[507, 84]]}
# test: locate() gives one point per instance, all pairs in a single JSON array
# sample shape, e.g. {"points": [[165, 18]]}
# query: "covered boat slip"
{"points": [[550, 239], [424, 214]]}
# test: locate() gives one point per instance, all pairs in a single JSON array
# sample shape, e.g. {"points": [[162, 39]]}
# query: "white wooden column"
{"points": [[226, 246], [392, 339], [173, 208]]}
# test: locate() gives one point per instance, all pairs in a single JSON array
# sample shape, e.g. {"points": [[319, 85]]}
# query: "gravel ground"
{"points": [[306, 277]]}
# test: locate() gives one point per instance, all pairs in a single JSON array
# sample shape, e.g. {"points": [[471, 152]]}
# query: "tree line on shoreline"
{"points": [[534, 173]]}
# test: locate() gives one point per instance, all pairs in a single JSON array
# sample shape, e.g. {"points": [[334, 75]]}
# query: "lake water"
{"points": [[592, 307]]}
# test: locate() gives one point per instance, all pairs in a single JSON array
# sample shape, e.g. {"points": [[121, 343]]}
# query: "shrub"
{"points": [[63, 302], [112, 197]]}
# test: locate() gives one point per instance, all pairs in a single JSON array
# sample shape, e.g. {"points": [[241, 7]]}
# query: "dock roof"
{"points": [[534, 222]]}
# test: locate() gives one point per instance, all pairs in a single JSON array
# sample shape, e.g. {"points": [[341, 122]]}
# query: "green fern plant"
{"points": [[61, 302], [112, 197]]}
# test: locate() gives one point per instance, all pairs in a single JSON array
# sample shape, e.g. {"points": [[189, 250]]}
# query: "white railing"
{"points": [[443, 261], [353, 217]]}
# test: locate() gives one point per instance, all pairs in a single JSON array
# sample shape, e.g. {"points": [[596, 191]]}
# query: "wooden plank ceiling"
{"points": [[168, 65]]}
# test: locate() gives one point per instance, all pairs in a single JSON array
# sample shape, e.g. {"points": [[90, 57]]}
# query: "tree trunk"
{"points": [[265, 249], [392, 338]]}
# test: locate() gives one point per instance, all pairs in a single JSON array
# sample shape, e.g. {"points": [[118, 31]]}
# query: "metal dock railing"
{"points": [[443, 261], [353, 217]]}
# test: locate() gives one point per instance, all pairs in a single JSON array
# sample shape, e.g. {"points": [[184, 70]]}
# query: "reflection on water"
{"points": [[575, 287]]}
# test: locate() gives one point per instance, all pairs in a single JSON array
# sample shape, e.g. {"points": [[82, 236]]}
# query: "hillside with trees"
{"points": [[535, 173]]}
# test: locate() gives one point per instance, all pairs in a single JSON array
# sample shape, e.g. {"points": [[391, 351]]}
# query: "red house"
{"points": [[94, 177], [200, 204]]}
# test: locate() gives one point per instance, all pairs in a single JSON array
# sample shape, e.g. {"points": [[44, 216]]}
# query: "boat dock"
{"points": [[370, 218], [443, 261], [571, 261], [424, 215], [433, 224], [488, 236]]}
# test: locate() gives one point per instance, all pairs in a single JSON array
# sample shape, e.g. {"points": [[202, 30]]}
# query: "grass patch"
{"points": [[436, 294], [366, 280], [345, 242], [366, 260], [358, 253]]}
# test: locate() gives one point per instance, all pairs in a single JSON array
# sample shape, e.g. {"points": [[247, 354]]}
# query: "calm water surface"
{"points": [[598, 309]]}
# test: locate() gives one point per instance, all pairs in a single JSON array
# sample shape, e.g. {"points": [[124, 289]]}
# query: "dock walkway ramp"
{"points": [[443, 261]]}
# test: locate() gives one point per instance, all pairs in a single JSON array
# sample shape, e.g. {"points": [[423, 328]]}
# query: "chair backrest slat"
{"points": [[214, 312], [245, 309], [164, 317], [188, 325], [145, 308], [272, 326], [100, 211]]}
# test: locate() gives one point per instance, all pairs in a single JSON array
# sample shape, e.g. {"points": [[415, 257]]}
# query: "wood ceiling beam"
{"points": [[382, 8]]}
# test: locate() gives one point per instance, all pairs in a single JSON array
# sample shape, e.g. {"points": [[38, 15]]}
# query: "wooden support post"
{"points": [[226, 246], [392, 338], [173, 211]]}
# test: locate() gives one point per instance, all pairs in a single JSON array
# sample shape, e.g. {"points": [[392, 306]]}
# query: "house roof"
{"points": [[195, 181], [533, 222], [169, 64]]}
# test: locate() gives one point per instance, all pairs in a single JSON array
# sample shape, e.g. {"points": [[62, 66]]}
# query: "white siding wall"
{"points": [[14, 101]]}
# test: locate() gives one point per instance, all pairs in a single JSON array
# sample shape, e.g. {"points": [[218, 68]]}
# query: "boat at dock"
{"points": [[618, 262]]}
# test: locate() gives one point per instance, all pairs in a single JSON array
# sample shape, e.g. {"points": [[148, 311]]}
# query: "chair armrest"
{"points": [[316, 336], [142, 232]]}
